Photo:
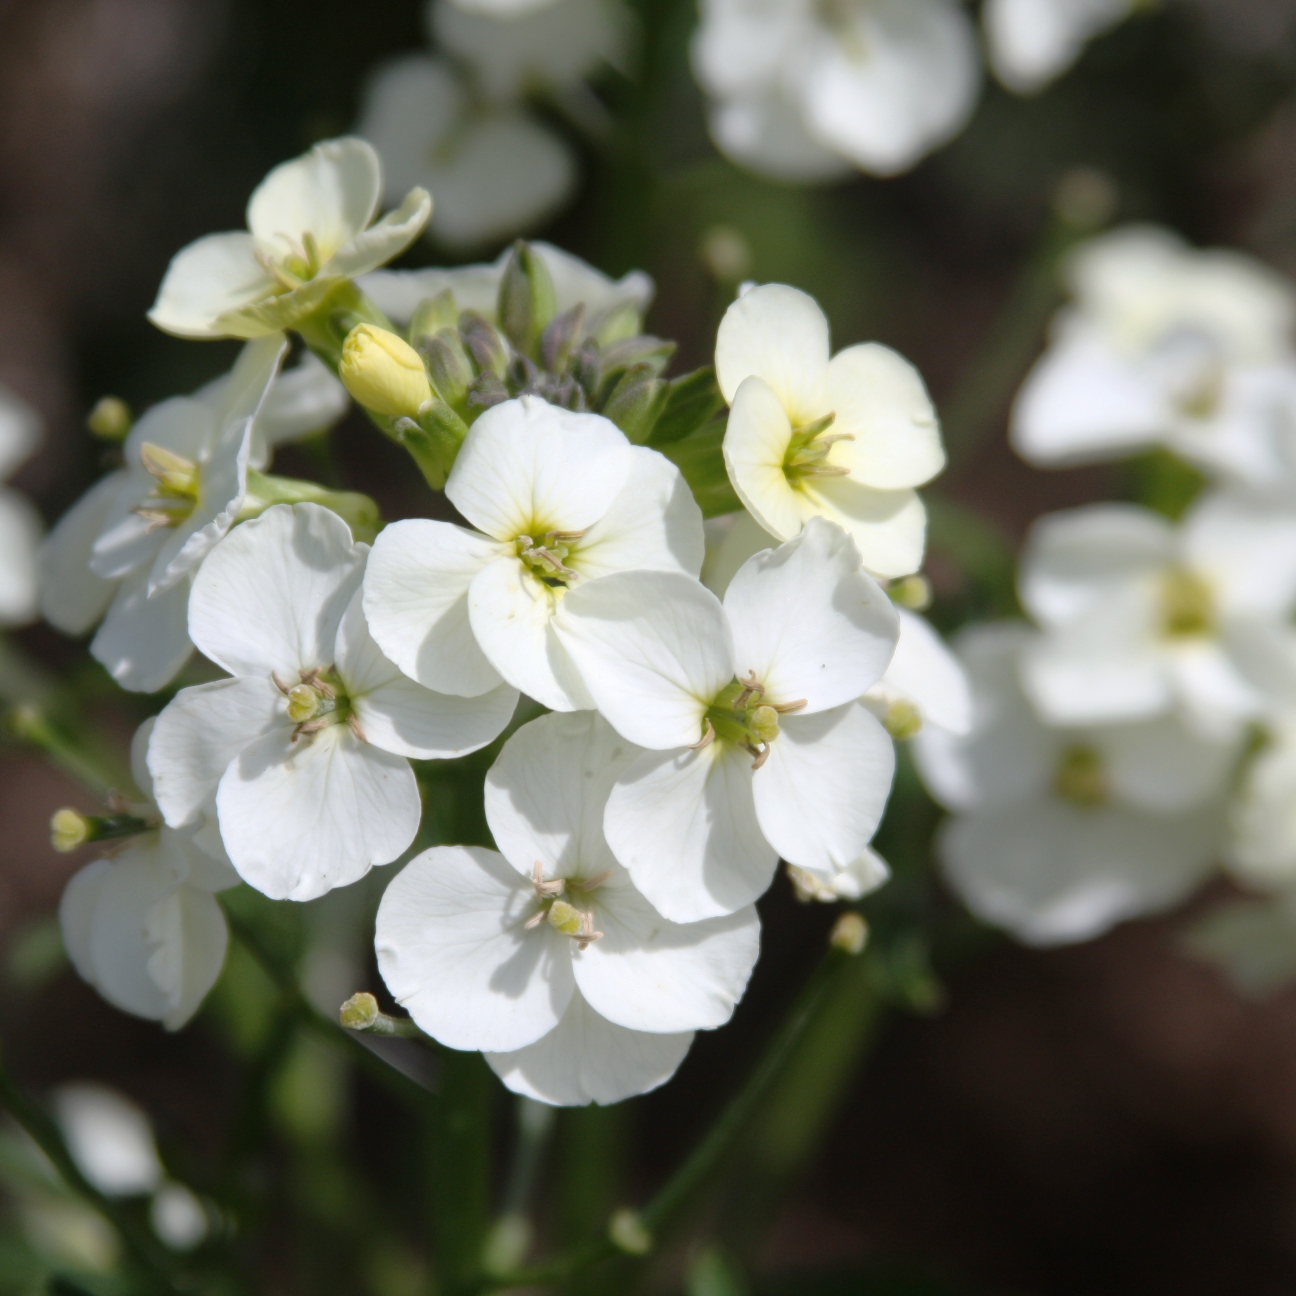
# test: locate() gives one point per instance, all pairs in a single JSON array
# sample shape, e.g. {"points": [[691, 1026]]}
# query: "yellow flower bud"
{"points": [[383, 372], [68, 829]]}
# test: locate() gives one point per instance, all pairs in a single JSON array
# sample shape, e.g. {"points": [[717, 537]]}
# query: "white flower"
{"points": [[496, 169], [109, 1138], [1062, 833], [397, 293], [535, 48], [305, 749], [879, 83], [559, 499], [127, 550], [1262, 842], [925, 684], [1143, 617], [20, 524], [545, 957], [846, 438], [142, 925], [309, 230], [1032, 42], [1165, 344], [861, 877], [757, 745]]}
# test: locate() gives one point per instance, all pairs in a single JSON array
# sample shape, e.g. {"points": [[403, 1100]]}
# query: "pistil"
{"points": [[807, 451]]}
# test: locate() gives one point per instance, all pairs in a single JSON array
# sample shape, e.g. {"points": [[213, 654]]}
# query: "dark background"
{"points": [[1108, 1118]]}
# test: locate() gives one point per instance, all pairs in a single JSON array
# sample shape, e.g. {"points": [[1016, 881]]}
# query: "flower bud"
{"points": [[433, 315], [627, 1233], [912, 592], [903, 720], [359, 1012], [383, 372], [110, 420], [526, 299], [849, 933], [636, 401], [68, 829]]}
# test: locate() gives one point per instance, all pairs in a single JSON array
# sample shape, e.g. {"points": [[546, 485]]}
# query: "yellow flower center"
{"points": [[1080, 777], [1187, 605]]}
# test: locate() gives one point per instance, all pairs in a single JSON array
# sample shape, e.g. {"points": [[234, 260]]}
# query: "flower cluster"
{"points": [[1141, 731], [697, 733], [807, 90], [458, 123]]}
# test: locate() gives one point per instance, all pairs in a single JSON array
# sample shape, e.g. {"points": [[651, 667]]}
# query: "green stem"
{"points": [[396, 1081], [155, 1266], [30, 723], [706, 1157]]}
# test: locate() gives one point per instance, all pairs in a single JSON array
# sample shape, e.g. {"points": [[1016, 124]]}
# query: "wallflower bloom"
{"points": [[309, 229], [20, 524], [142, 925], [127, 550], [1032, 42], [1165, 345], [559, 499], [758, 745], [878, 83], [546, 957], [496, 169], [1143, 618], [925, 684], [1060, 834], [846, 438], [305, 749]]}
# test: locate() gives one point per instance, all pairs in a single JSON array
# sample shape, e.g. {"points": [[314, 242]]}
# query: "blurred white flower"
{"points": [[859, 878], [1262, 841], [802, 88], [758, 748], [533, 48], [546, 957], [1032, 42], [109, 1138], [1166, 345], [845, 437], [309, 229], [496, 170], [559, 499], [177, 1217], [1144, 618], [127, 550], [925, 684], [306, 749], [503, 8], [20, 524], [142, 925], [1060, 833], [609, 303]]}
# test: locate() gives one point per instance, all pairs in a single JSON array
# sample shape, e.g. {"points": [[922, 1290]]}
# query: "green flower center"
{"points": [[546, 558], [562, 915], [317, 701], [740, 714], [1080, 777], [175, 494], [806, 455], [298, 265], [1187, 605]]}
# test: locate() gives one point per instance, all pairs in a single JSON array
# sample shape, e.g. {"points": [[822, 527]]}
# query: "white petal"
{"points": [[1078, 560], [767, 134], [20, 431], [144, 642], [821, 792], [109, 1137], [76, 913], [188, 936], [511, 615], [270, 597], [405, 718], [684, 824], [1031, 42], [416, 601], [649, 974], [1161, 766], [331, 192], [20, 537], [547, 790], [654, 524], [1246, 551], [198, 734], [730, 541], [72, 596], [586, 1059], [1262, 819], [808, 622], [780, 335], [756, 442], [527, 467], [925, 673], [1053, 873], [889, 527], [878, 398], [385, 239], [1215, 696], [303, 400], [243, 391], [1083, 401], [454, 952], [211, 277], [299, 819], [653, 648]]}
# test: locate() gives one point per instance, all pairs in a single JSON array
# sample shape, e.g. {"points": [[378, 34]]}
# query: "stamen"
{"points": [[784, 708], [587, 935], [823, 470], [283, 688], [353, 723], [761, 754], [564, 536], [707, 738]]}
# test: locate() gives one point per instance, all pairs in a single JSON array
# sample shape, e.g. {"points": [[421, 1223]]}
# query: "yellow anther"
{"points": [[764, 724], [176, 476], [566, 918], [68, 829], [902, 720]]}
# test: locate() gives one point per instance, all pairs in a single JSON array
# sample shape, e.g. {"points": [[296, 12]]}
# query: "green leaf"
{"points": [[700, 459], [691, 403]]}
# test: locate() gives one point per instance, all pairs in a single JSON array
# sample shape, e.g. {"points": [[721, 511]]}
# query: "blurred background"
{"points": [[1112, 1117]]}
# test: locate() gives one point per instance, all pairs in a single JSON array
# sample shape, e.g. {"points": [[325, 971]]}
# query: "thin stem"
{"points": [[399, 1083], [704, 1159], [153, 1262], [31, 724]]}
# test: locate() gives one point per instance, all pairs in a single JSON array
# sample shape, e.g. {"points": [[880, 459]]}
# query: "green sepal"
{"points": [[325, 329], [635, 403], [692, 401], [701, 461], [431, 316], [527, 301], [449, 367], [433, 440], [358, 511]]}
